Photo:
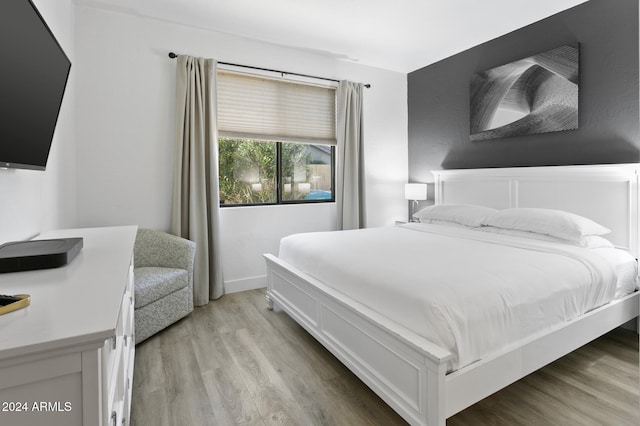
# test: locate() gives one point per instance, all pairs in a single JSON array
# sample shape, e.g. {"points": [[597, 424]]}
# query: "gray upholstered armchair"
{"points": [[163, 273]]}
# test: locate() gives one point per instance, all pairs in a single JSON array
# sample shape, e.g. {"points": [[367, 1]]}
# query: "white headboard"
{"points": [[607, 194]]}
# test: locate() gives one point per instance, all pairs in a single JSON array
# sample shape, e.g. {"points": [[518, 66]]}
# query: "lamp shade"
{"points": [[415, 191]]}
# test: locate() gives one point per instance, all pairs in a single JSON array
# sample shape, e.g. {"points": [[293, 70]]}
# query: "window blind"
{"points": [[262, 108]]}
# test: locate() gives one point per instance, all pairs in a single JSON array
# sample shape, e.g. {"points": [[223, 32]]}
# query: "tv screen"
{"points": [[33, 76]]}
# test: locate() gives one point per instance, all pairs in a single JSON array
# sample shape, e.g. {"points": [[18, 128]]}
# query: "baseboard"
{"points": [[244, 284]]}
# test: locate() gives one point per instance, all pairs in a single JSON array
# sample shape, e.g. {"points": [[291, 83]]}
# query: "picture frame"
{"points": [[537, 94]]}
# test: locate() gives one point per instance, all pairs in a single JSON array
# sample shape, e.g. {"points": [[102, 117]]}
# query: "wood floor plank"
{"points": [[266, 387], [231, 401], [309, 374], [257, 332], [149, 407], [234, 362], [597, 382], [319, 359], [183, 379]]}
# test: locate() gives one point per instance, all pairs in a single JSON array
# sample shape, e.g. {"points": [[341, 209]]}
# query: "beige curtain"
{"points": [[196, 197], [350, 167]]}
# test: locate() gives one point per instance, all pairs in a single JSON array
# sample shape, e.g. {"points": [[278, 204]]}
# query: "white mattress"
{"points": [[470, 292]]}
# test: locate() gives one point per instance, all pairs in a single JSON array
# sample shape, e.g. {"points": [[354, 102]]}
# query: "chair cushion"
{"points": [[153, 283]]}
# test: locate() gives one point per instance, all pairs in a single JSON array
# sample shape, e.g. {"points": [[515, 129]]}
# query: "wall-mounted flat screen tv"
{"points": [[33, 76]]}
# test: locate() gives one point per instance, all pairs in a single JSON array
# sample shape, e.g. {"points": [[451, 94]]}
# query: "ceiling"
{"points": [[399, 35]]}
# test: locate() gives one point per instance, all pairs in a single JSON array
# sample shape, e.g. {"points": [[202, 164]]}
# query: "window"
{"points": [[276, 140], [249, 172]]}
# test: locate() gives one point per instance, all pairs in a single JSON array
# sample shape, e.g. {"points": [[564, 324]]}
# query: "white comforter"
{"points": [[469, 292]]}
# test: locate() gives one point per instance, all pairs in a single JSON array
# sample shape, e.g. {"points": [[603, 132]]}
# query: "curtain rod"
{"points": [[174, 55]]}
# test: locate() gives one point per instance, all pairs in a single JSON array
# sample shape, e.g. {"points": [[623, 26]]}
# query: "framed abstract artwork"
{"points": [[538, 94]]}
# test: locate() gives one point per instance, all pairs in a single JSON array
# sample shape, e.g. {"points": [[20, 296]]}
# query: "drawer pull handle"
{"points": [[125, 340], [114, 418], [113, 343]]}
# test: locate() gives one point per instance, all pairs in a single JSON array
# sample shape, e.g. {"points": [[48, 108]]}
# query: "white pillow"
{"points": [[557, 223], [589, 241], [594, 242], [465, 214], [446, 223]]}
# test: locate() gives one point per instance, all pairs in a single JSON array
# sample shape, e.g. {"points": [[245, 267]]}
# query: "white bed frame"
{"points": [[407, 371]]}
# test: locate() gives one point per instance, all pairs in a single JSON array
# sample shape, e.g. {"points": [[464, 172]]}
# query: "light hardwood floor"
{"points": [[235, 362]]}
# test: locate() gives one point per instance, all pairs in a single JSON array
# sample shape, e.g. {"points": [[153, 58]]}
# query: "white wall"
{"points": [[125, 130], [35, 201]]}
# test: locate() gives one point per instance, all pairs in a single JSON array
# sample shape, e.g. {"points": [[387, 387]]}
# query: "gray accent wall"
{"points": [[609, 114]]}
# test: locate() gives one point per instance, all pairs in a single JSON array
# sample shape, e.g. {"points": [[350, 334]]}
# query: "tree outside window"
{"points": [[250, 172]]}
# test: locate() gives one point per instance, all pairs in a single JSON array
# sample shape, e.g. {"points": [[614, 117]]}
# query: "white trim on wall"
{"points": [[244, 284]]}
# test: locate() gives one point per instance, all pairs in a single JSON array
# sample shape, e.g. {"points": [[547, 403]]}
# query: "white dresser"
{"points": [[68, 358]]}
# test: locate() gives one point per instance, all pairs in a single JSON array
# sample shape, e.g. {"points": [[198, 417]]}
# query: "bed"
{"points": [[427, 377]]}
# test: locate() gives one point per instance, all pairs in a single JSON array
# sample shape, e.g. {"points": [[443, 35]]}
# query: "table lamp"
{"points": [[415, 192]]}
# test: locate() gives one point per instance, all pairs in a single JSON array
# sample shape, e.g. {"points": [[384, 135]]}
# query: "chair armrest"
{"points": [[156, 248]]}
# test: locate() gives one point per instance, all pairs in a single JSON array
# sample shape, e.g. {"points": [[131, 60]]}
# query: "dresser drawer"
{"points": [[113, 345], [117, 358]]}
